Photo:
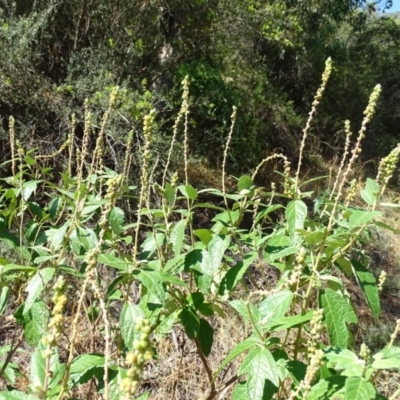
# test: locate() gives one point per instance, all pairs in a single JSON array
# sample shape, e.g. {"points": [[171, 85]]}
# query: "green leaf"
{"points": [[387, 358], [205, 235], [151, 279], [206, 334], [211, 258], [15, 267], [296, 214], [240, 392], [169, 193], [86, 366], [177, 237], [337, 313], [334, 282], [114, 262], [225, 219], [209, 205], [236, 351], [311, 180], [345, 265], [28, 188], [15, 395], [195, 299], [55, 206], [13, 242], [116, 219], [188, 191], [216, 249], [368, 285], [288, 322], [206, 309], [36, 286], [31, 231], [127, 321], [259, 366], [190, 322], [315, 237], [38, 369], [264, 213], [325, 389], [244, 309], [193, 259], [245, 182], [245, 185], [35, 323], [369, 194], [235, 274], [151, 244], [388, 227], [344, 360], [275, 305], [5, 290], [274, 253], [143, 396], [279, 241], [168, 278], [9, 373], [359, 218], [56, 237], [90, 209], [297, 370], [357, 388]]}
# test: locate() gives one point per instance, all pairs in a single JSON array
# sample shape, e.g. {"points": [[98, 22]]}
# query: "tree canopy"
{"points": [[265, 57]]}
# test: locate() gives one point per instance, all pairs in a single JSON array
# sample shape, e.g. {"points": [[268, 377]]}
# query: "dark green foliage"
{"points": [[264, 57]]}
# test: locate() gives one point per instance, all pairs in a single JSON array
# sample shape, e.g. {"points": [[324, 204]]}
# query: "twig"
{"points": [[11, 353]]}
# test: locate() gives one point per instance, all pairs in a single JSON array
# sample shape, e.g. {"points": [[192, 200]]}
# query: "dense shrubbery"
{"points": [[264, 57]]}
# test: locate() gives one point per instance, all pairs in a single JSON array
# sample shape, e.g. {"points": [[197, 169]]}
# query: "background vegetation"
{"points": [[265, 57]]}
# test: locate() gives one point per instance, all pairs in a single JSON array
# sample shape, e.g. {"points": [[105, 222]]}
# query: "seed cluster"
{"points": [[387, 166], [351, 192], [365, 352], [315, 331], [113, 190], [136, 359], [317, 360], [382, 280], [55, 325], [298, 269]]}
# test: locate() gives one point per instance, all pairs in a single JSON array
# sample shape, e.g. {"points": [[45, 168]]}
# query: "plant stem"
{"points": [[207, 368]]}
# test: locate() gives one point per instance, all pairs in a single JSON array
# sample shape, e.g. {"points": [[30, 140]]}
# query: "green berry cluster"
{"points": [[142, 352]]}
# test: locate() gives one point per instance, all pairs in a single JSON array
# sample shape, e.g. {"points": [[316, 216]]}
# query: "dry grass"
{"points": [[179, 373]]}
